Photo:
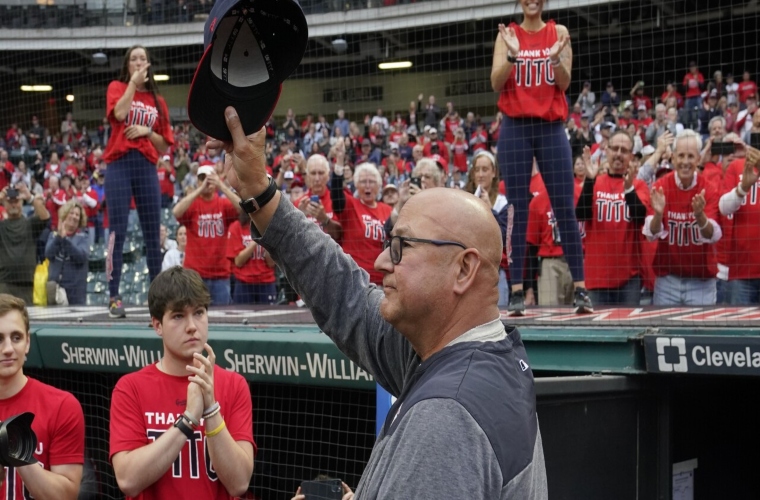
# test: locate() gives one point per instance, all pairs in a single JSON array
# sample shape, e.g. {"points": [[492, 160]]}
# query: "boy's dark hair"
{"points": [[175, 289], [10, 303]]}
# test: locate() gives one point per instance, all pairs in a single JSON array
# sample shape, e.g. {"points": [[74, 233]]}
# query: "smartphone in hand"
{"points": [[328, 489]]}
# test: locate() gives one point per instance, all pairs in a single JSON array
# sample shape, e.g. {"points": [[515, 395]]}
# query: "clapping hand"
{"points": [[202, 371], [559, 46], [657, 199], [510, 39], [698, 204], [630, 175]]}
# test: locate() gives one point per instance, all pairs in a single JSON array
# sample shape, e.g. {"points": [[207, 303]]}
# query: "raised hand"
{"points": [[657, 199], [559, 46], [698, 204], [665, 141], [140, 77], [510, 39], [630, 175], [245, 161], [750, 175]]}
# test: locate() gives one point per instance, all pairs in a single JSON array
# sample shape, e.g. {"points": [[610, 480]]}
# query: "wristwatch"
{"points": [[185, 425], [511, 59], [253, 205]]}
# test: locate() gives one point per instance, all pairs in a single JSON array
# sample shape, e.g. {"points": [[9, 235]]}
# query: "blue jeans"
{"points": [[723, 292], [133, 175], [520, 140], [677, 291], [626, 295], [744, 292], [254, 293], [219, 290], [503, 289]]}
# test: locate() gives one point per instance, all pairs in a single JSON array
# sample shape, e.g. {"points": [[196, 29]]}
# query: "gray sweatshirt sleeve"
{"points": [[443, 429], [342, 301]]}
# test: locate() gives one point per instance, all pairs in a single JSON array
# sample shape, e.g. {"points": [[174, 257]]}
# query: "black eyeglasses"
{"points": [[396, 243]]}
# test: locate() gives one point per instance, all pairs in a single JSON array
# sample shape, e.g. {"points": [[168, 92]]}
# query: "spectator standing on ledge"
{"points": [[742, 202], [139, 119], [207, 217], [158, 453], [432, 337], [58, 418], [614, 207], [18, 241], [531, 87], [685, 225]]}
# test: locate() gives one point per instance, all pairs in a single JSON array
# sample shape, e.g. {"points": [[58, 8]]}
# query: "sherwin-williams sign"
{"points": [[697, 354], [297, 358]]}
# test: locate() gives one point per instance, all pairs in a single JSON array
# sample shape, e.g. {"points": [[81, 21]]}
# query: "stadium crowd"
{"points": [[387, 158]]}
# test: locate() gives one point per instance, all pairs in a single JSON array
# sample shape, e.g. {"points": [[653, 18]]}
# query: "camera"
{"points": [[17, 441], [417, 181], [12, 193]]}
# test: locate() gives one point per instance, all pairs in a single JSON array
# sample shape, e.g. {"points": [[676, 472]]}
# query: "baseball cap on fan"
{"points": [[250, 48]]}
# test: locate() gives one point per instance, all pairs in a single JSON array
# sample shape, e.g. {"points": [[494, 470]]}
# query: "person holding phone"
{"points": [[139, 119], [741, 201], [531, 70], [326, 488], [316, 203]]}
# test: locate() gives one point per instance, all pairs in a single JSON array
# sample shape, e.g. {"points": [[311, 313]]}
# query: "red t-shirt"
{"points": [[460, 155], [58, 424], [450, 126], [692, 83], [541, 222], [442, 150], [747, 89], [207, 223], [742, 247], [638, 100], [479, 141], [363, 233], [612, 237], [679, 98], [143, 112], [530, 91], [146, 403], [166, 181], [256, 270], [91, 212], [679, 253]]}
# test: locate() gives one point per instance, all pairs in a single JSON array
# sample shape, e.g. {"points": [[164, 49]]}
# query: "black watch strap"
{"points": [[253, 205], [511, 59], [183, 424]]}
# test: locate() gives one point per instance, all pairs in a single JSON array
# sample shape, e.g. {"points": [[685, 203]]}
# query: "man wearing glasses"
{"points": [[614, 207], [464, 422]]}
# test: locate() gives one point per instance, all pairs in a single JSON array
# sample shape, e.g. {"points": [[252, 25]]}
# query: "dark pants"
{"points": [[23, 292], [519, 141], [133, 175], [254, 293], [626, 295]]}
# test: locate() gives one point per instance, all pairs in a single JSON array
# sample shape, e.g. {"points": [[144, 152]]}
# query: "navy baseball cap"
{"points": [[250, 48]]}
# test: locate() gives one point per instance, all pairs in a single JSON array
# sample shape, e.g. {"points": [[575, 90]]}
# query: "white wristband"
{"points": [[707, 223], [554, 63], [742, 193]]}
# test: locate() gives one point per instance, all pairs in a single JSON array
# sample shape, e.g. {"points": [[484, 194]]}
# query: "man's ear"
{"points": [[469, 265], [157, 326]]}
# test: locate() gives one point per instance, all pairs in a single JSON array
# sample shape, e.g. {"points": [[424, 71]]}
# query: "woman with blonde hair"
{"points": [[483, 182], [68, 251]]}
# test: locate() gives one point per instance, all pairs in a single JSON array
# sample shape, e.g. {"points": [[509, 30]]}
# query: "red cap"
{"points": [[441, 161]]}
